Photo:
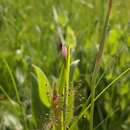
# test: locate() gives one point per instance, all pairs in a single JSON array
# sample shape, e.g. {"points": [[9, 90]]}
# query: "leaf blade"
{"points": [[44, 87]]}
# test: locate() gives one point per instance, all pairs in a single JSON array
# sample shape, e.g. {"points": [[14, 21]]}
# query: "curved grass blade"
{"points": [[6, 94], [13, 81], [98, 63], [17, 93]]}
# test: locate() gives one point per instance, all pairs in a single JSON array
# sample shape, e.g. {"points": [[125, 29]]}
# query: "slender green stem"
{"points": [[89, 98], [66, 89], [67, 77], [17, 93], [13, 82], [97, 64]]}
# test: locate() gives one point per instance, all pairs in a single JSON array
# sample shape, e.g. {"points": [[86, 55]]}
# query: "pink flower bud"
{"points": [[63, 50]]}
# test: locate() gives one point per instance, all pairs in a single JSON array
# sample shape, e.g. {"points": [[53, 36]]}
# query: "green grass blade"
{"points": [[115, 80], [13, 81], [97, 97], [98, 63], [6, 94], [17, 93], [108, 116]]}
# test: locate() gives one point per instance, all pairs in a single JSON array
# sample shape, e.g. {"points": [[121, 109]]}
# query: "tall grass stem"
{"points": [[97, 64]]}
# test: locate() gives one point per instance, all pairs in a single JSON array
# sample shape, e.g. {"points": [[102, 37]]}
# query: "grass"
{"points": [[98, 62], [98, 96], [66, 65]]}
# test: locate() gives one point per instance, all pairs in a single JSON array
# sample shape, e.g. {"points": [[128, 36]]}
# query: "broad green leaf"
{"points": [[43, 87], [39, 110]]}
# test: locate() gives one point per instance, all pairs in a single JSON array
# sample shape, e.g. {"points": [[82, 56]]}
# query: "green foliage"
{"points": [[55, 99], [44, 87], [39, 110], [30, 33]]}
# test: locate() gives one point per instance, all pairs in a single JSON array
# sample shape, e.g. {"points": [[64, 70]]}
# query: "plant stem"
{"points": [[66, 89], [97, 64], [67, 76]]}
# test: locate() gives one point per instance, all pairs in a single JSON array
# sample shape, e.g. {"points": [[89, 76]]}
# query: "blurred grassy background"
{"points": [[28, 35]]}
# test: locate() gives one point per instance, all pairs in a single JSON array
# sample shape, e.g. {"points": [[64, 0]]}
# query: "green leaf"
{"points": [[43, 87], [39, 111]]}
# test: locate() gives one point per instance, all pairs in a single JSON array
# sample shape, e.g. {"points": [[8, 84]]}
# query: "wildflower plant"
{"points": [[58, 99]]}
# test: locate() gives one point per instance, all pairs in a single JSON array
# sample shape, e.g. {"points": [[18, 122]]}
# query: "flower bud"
{"points": [[63, 50]]}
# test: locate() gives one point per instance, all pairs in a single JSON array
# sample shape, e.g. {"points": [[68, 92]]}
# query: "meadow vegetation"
{"points": [[64, 64]]}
